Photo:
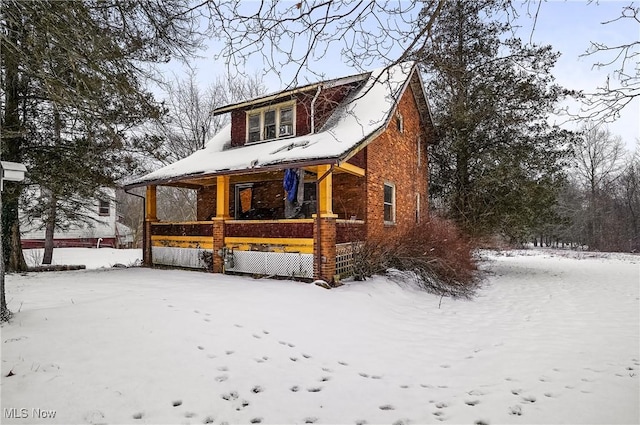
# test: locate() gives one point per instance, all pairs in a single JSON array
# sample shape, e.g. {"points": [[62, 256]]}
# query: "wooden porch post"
{"points": [[222, 214], [150, 217], [324, 247]]}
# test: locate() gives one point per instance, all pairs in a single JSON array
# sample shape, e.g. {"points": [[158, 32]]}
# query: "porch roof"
{"points": [[353, 124]]}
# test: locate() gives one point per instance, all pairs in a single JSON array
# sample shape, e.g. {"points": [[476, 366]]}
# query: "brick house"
{"points": [[352, 153]]}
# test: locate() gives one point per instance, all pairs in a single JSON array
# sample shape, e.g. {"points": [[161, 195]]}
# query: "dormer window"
{"points": [[271, 122]]}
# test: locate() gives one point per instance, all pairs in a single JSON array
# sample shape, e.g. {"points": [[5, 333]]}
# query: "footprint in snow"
{"points": [[471, 402], [233, 395], [293, 359], [256, 420], [208, 420], [343, 363], [294, 389], [229, 352], [361, 422], [516, 391], [515, 410], [404, 387], [200, 347], [529, 399], [314, 389], [376, 377], [266, 332], [257, 389], [310, 420], [189, 414], [243, 404], [364, 375], [325, 378], [176, 403], [237, 325], [221, 378], [138, 415], [445, 366], [481, 422], [257, 336], [326, 369], [387, 407], [223, 369], [306, 356]]}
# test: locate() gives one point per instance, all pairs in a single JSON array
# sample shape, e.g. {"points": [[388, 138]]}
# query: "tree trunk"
{"points": [[11, 151], [50, 227]]}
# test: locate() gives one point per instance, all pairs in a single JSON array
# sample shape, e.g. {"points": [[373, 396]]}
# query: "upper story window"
{"points": [[103, 207], [271, 122]]}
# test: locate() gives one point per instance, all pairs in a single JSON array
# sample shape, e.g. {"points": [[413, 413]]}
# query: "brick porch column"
{"points": [[150, 217], [327, 248], [222, 214], [326, 226]]}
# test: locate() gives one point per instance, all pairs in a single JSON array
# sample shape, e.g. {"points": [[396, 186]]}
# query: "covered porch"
{"points": [[245, 223]]}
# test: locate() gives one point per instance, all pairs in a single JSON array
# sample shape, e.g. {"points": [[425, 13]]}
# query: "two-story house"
{"points": [[299, 176]]}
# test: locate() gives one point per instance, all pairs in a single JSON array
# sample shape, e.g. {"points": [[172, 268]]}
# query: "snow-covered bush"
{"points": [[434, 254]]}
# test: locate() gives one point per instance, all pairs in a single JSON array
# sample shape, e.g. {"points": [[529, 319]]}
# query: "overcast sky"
{"points": [[569, 26]]}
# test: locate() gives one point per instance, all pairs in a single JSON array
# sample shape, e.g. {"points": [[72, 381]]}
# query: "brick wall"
{"points": [[206, 205], [392, 158]]}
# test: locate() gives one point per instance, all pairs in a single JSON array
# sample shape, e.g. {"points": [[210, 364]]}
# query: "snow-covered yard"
{"points": [[551, 338]]}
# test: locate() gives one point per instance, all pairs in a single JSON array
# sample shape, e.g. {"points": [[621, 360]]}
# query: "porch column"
{"points": [[150, 217], [324, 247], [222, 214]]}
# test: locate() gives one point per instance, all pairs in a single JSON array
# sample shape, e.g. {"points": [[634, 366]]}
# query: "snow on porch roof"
{"points": [[356, 121]]}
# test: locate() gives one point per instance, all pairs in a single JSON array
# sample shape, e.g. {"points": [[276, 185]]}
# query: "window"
{"points": [[270, 123], [103, 207], [417, 208], [419, 151], [254, 128], [389, 203], [400, 122]]}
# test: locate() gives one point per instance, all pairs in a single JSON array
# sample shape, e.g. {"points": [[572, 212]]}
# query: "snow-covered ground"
{"points": [[551, 338]]}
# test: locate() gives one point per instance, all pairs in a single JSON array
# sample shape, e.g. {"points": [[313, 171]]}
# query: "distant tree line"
{"points": [[598, 206]]}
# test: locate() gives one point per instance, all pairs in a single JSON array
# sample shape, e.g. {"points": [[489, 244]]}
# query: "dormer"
{"points": [[288, 113]]}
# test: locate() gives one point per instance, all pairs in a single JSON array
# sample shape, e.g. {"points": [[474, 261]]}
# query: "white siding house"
{"points": [[103, 230]]}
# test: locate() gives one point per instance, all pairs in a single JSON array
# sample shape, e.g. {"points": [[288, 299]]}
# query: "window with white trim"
{"points": [[103, 207], [419, 148], [389, 203], [417, 208], [271, 122]]}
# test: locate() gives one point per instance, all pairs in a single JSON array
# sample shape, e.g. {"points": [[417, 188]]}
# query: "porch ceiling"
{"points": [[197, 182]]}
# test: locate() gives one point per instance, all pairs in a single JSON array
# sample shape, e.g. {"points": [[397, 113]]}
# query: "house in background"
{"points": [[101, 230], [299, 176]]}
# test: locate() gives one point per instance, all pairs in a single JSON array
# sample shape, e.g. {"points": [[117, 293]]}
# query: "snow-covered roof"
{"points": [[356, 121]]}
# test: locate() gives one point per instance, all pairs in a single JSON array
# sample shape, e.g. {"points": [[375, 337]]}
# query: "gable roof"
{"points": [[363, 115]]}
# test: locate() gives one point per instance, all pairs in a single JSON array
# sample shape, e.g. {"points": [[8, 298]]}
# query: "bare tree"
{"points": [[622, 86], [188, 121], [598, 155], [298, 34]]}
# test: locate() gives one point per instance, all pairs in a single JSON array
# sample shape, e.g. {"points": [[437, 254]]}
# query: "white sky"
{"points": [[568, 26]]}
